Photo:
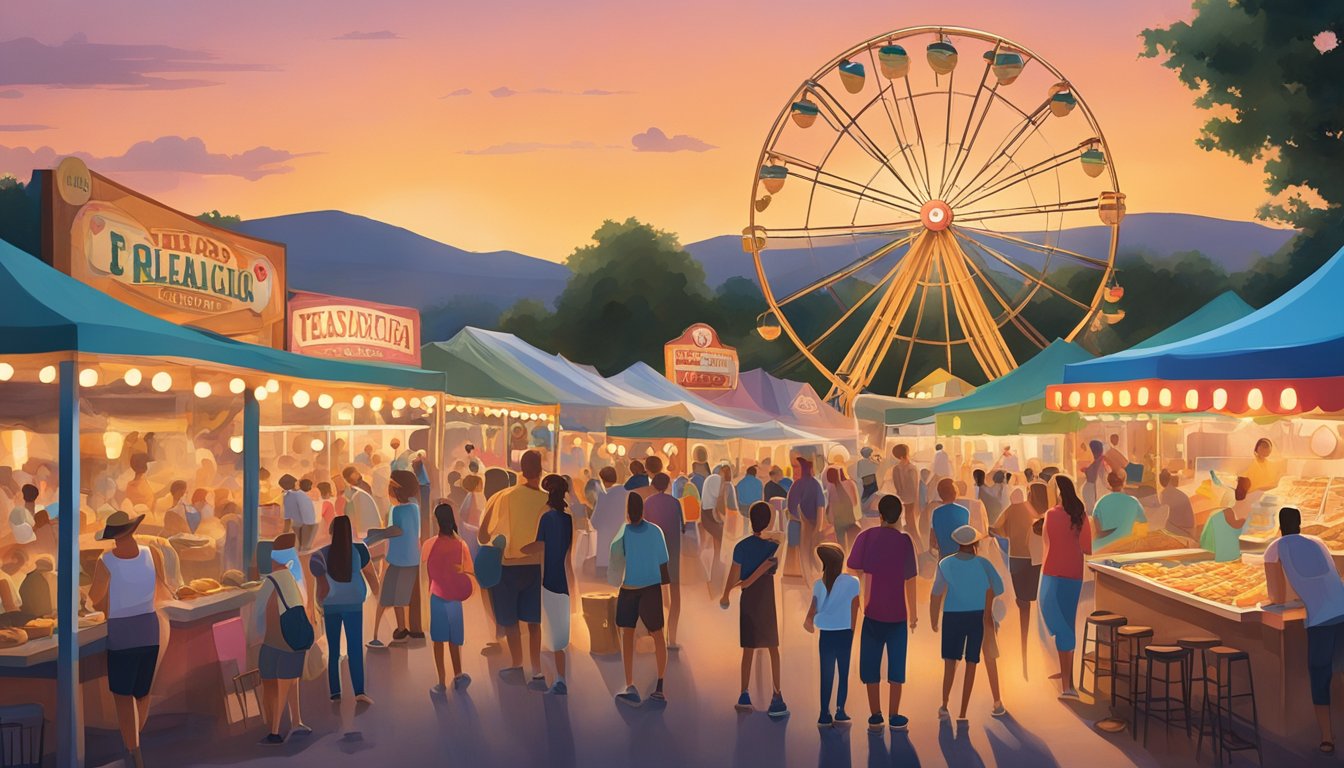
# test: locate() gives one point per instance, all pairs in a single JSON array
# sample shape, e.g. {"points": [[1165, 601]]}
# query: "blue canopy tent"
{"points": [[1285, 358]]}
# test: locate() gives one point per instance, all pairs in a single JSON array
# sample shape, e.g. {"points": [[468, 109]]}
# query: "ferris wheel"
{"points": [[932, 197]]}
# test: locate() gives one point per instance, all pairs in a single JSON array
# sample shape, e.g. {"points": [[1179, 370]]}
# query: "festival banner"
{"points": [[162, 261], [351, 329], [698, 360]]}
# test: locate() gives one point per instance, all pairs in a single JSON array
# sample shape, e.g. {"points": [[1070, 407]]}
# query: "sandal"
{"points": [[1328, 747]]}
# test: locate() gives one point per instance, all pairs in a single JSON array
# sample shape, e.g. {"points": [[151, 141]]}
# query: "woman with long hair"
{"points": [[555, 539], [343, 573], [833, 613], [1068, 539], [448, 566], [842, 506]]}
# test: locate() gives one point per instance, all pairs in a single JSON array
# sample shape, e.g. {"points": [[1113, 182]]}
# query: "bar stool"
{"points": [[1228, 722], [1172, 703], [1199, 646], [1099, 632], [1132, 638]]}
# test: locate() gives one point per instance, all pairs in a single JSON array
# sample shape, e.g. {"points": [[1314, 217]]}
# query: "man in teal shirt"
{"points": [[1116, 513], [946, 519]]}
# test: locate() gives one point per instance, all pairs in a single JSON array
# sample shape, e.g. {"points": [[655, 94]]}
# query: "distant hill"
{"points": [[348, 255], [1233, 244]]}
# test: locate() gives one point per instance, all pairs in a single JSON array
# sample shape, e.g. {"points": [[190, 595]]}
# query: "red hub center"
{"points": [[936, 215]]}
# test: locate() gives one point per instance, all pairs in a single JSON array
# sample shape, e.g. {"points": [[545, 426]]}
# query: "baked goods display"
{"points": [[1236, 583], [1153, 541], [1334, 500], [1307, 494], [1331, 534]]}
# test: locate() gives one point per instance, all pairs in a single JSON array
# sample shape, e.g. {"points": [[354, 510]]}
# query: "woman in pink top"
{"points": [[1068, 537], [448, 564]]}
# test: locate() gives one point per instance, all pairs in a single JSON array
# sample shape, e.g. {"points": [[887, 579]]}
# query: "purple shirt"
{"points": [[887, 556], [664, 511], [805, 497]]}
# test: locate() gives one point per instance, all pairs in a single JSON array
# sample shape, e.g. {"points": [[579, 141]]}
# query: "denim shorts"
{"points": [[874, 638]]}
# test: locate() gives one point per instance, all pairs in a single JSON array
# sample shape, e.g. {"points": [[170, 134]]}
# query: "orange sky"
{"points": [[386, 143]]}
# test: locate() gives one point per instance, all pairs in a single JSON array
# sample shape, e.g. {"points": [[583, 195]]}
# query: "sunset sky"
{"points": [[522, 124]]}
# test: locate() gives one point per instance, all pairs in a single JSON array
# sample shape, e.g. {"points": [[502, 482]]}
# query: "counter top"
{"points": [[43, 650]]}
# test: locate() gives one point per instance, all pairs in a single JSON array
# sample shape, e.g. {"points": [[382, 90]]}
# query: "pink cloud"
{"points": [[654, 140], [77, 63], [164, 155]]}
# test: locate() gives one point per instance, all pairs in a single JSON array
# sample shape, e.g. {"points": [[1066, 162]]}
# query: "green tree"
{"points": [[225, 221], [20, 216], [1272, 73]]}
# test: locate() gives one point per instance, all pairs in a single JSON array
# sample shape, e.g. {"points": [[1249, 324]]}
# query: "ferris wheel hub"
{"points": [[936, 215]]}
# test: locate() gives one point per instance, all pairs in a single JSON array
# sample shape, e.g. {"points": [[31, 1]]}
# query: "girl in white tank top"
{"points": [[130, 584]]}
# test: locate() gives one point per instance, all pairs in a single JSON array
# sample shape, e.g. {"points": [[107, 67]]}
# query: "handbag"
{"points": [[616, 566], [294, 624], [315, 662], [489, 565]]}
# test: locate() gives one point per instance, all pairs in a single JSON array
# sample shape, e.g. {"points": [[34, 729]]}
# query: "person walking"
{"points": [[965, 585], [905, 477], [1305, 564], [718, 497], [343, 574], [554, 540], [842, 506], [1094, 472], [885, 556], [128, 583], [448, 564], [832, 614], [516, 512], [1068, 539], [866, 470], [299, 512], [282, 655], [666, 512], [403, 555], [642, 549], [749, 489], [608, 515], [946, 518], [1017, 523], [753, 571], [807, 504], [360, 506]]}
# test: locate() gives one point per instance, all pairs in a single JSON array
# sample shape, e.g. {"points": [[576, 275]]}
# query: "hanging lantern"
{"points": [[762, 203], [893, 61], [1094, 161], [942, 57], [804, 113], [773, 176], [1062, 100], [1114, 293], [753, 239], [1007, 66], [768, 326], [851, 74], [1111, 207], [1111, 318]]}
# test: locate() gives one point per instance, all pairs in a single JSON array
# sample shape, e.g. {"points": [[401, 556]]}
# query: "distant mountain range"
{"points": [[348, 255]]}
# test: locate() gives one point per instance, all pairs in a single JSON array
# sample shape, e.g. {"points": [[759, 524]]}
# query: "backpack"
{"points": [[489, 565], [294, 624]]}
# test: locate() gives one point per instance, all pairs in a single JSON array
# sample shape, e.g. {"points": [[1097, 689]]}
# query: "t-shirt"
{"points": [[833, 608], [443, 555], [751, 552], [905, 479], [608, 517], [1116, 512], [714, 487], [749, 490], [636, 482], [404, 550], [362, 511], [1220, 538], [555, 531], [517, 512], [342, 595], [888, 557], [946, 519], [1311, 571], [299, 508], [774, 490], [965, 579], [645, 554], [1064, 545], [805, 497], [988, 496], [665, 512], [864, 469], [1015, 523], [1180, 514]]}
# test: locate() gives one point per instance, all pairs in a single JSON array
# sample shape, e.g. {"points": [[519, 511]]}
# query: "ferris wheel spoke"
{"points": [[1038, 280], [1068, 206], [978, 325], [850, 128], [1007, 146], [907, 149], [971, 196], [893, 228], [1048, 250], [919, 134], [947, 132], [1014, 314], [852, 269], [846, 185], [914, 334], [963, 149], [876, 336], [817, 342]]}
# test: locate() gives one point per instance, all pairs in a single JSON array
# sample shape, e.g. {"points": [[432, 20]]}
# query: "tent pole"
{"points": [[251, 479], [69, 709]]}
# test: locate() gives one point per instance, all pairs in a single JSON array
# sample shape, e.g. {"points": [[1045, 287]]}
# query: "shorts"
{"points": [[554, 620], [874, 638], [280, 663], [1325, 644], [640, 605], [398, 584], [711, 526], [517, 596], [445, 621], [130, 671], [1026, 578], [963, 634]]}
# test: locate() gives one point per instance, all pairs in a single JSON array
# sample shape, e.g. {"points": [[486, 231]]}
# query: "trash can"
{"points": [[599, 611]]}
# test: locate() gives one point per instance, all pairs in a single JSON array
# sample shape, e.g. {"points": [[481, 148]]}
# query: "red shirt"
{"points": [[1065, 546], [442, 556]]}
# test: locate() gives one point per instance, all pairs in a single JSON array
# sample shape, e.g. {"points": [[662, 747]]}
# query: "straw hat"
{"points": [[119, 524], [966, 535]]}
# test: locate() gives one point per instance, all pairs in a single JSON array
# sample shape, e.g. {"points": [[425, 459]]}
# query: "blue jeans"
{"points": [[835, 645], [1059, 608], [354, 644]]}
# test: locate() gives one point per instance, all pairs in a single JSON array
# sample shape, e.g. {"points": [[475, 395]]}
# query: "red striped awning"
{"points": [[1250, 397]]}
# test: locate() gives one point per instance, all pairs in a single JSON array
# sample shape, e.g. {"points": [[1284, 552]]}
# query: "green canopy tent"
{"points": [[1015, 402], [1223, 309]]}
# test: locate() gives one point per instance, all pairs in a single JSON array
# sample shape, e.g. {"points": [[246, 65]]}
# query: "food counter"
{"points": [[1183, 593]]}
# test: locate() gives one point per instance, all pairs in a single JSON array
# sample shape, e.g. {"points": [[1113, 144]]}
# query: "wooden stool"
{"points": [[1100, 631], [1172, 703], [1199, 646], [1131, 639], [1228, 723]]}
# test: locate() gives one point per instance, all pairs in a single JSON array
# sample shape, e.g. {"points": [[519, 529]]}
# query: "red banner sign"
{"points": [[350, 329], [698, 360]]}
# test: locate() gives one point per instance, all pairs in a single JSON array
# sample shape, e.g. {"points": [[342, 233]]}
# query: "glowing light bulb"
{"points": [[300, 398], [260, 393], [202, 389], [272, 386], [236, 444], [376, 403], [237, 385], [399, 403], [357, 401], [133, 377], [47, 374], [88, 378], [162, 381], [325, 401], [6, 371], [317, 444]]}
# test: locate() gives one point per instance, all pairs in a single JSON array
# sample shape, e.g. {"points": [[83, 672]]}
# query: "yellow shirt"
{"points": [[517, 511], [1262, 473]]}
